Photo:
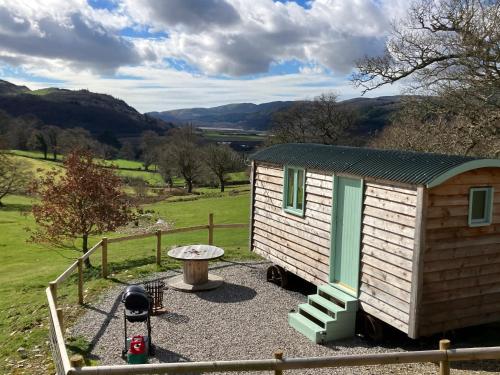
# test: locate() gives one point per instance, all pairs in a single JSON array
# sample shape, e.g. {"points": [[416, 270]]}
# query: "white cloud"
{"points": [[69, 41], [158, 88], [70, 30], [334, 33]]}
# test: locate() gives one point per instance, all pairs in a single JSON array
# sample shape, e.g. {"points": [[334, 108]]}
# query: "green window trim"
{"points": [[294, 196], [480, 206]]}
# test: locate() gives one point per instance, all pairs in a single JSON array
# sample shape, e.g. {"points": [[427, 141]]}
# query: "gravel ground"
{"points": [[246, 318]]}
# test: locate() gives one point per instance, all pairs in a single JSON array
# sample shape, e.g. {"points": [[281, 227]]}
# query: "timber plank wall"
{"points": [[461, 276], [387, 245], [301, 245]]}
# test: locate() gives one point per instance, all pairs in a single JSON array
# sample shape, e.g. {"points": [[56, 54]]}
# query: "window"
{"points": [[480, 206], [293, 196]]}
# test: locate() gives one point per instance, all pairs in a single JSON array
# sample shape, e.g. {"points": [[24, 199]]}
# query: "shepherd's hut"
{"points": [[409, 239]]}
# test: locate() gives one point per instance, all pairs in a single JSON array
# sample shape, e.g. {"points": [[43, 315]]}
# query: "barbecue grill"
{"points": [[137, 310]]}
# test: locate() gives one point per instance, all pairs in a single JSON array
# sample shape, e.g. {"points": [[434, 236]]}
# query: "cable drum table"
{"points": [[195, 276]]}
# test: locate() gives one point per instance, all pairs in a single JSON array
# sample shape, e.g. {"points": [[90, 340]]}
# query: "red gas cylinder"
{"points": [[137, 345]]}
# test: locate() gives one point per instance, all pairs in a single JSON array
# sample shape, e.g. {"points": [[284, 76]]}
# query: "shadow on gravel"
{"points": [[108, 317], [228, 293], [174, 318], [167, 356]]}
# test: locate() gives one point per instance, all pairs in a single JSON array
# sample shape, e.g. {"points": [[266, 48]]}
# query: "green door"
{"points": [[346, 233]]}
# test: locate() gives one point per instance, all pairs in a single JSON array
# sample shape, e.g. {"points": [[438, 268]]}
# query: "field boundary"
{"points": [[66, 366]]}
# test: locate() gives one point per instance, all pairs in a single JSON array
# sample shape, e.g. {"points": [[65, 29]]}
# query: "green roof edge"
{"points": [[465, 167]]}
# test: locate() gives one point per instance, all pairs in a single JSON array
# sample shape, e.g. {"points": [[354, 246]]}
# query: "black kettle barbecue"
{"points": [[137, 309]]}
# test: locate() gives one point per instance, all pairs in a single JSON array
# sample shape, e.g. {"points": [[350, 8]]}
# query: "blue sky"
{"points": [[160, 55]]}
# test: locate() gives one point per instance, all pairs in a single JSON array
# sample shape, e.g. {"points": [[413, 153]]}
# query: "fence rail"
{"points": [[441, 356], [66, 366]]}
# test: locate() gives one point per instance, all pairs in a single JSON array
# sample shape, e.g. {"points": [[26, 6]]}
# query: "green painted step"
{"points": [[327, 304], [316, 313], [338, 322], [351, 303], [308, 328]]}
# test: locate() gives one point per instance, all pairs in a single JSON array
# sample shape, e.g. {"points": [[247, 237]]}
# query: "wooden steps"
{"points": [[328, 315]]}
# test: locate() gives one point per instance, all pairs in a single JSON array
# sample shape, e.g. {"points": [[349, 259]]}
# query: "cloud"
{"points": [[180, 53], [190, 15], [252, 35], [82, 42], [158, 87]]}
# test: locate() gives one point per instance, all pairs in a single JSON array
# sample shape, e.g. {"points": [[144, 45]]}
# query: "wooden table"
{"points": [[195, 276]]}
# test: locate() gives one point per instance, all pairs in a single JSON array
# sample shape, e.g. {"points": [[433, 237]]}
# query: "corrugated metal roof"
{"points": [[401, 166]]}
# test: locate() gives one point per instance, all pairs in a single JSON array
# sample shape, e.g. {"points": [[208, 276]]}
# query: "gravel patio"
{"points": [[246, 318]]}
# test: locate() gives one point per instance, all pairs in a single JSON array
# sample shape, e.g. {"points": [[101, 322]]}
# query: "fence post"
{"points": [[158, 247], [278, 355], [76, 361], [210, 229], [444, 366], [60, 317], [104, 254], [53, 289], [80, 281]]}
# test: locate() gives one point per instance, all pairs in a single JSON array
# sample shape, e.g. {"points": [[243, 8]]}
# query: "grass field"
{"points": [[227, 136], [27, 268], [125, 168]]}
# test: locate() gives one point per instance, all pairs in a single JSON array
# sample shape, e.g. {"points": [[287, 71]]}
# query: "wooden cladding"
{"points": [[300, 244], [461, 282], [387, 245]]}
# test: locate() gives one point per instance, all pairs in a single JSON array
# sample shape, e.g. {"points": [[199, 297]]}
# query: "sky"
{"points": [[168, 54]]}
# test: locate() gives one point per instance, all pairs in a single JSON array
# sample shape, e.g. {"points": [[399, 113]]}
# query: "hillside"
{"points": [[98, 113], [247, 116], [373, 114]]}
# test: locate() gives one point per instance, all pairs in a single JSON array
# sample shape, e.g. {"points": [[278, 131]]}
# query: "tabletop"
{"points": [[196, 252]]}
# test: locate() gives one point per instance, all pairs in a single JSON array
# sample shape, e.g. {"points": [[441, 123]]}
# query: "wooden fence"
{"points": [[65, 365]]}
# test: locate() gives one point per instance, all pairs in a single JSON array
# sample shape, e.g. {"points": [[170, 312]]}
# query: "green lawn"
{"points": [[35, 155], [125, 168], [27, 268], [220, 135], [122, 163]]}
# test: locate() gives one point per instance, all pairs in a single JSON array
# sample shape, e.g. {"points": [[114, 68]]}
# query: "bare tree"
{"points": [[52, 133], [128, 151], [182, 156], [422, 126], [75, 138], [150, 145], [441, 45], [291, 125], [38, 141], [450, 49], [15, 174], [322, 120], [221, 160]]}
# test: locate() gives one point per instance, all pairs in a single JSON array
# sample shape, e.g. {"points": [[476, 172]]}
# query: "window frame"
{"points": [[292, 209], [488, 214]]}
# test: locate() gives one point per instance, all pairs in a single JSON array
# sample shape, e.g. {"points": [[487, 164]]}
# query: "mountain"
{"points": [[373, 114], [240, 115], [97, 113]]}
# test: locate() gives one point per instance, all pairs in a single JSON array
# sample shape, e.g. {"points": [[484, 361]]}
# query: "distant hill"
{"points": [[373, 113], [98, 113], [240, 116]]}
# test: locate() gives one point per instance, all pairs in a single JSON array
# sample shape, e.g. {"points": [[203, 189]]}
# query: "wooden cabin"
{"points": [[410, 239]]}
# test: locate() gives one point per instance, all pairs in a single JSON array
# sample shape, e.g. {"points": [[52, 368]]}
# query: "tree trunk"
{"points": [[54, 154], [190, 186], [45, 153], [221, 183], [85, 249]]}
